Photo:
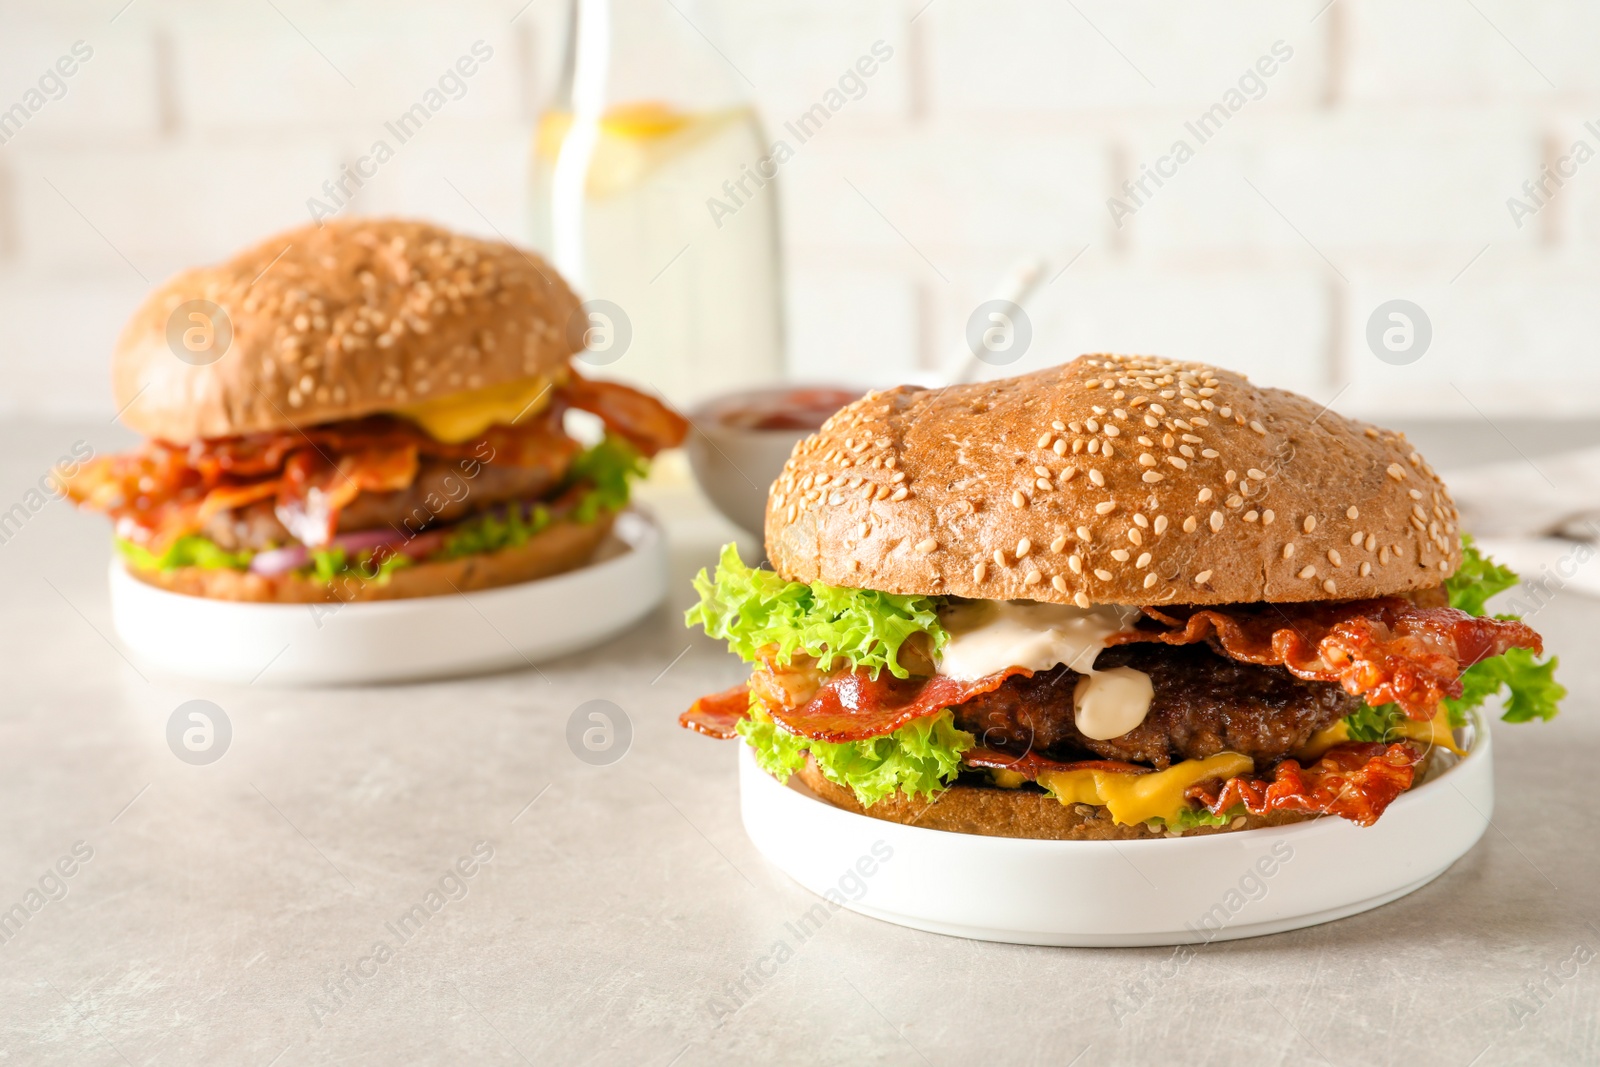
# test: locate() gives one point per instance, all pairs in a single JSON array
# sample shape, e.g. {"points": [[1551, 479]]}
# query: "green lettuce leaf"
{"points": [[190, 550], [489, 532], [751, 608], [1531, 686], [918, 759], [608, 467], [1478, 579], [1531, 689], [1374, 724]]}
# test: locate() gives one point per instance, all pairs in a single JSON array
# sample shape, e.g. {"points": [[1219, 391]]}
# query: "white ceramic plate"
{"points": [[397, 640], [1100, 893]]}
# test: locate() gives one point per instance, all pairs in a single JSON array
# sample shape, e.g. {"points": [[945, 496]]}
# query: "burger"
{"points": [[367, 410], [1121, 598]]}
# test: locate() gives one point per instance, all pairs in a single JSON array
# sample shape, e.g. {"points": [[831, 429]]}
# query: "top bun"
{"points": [[1110, 480], [334, 322]]}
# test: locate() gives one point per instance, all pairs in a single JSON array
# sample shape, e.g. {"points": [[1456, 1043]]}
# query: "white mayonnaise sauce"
{"points": [[987, 636]]}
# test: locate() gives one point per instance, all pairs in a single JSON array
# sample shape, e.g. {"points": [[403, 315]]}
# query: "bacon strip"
{"points": [[853, 706], [1030, 764], [717, 715], [647, 423], [1387, 650], [1355, 781]]}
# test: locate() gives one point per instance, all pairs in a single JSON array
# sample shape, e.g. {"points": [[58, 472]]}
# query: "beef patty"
{"points": [[1203, 704], [443, 491]]}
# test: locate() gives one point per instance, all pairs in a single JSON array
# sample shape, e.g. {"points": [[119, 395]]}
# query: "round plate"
{"points": [[397, 640], [1170, 891]]}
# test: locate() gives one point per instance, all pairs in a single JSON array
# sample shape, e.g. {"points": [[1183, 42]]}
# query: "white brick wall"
{"points": [[1376, 164]]}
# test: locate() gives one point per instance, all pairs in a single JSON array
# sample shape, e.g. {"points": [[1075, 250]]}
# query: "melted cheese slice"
{"points": [[988, 636], [1136, 798], [463, 416], [1436, 731]]}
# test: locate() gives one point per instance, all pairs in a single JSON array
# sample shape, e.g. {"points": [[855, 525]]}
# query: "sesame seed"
{"points": [[1258, 475], [1067, 473], [1146, 459], [1158, 409], [1044, 440], [1151, 477], [1383, 555], [1143, 561], [1059, 583], [1251, 516], [899, 494], [1366, 569], [1093, 426], [1135, 536], [1161, 524], [927, 546], [1308, 571], [1205, 495], [1112, 431], [1105, 450], [1267, 517], [1033, 578], [1121, 555], [1139, 520], [1085, 534], [1235, 501], [1202, 577], [1060, 447], [1150, 579], [1075, 563], [1258, 428], [1102, 574], [1397, 472], [1189, 524], [1042, 484], [1352, 513], [1334, 557], [980, 572], [999, 557], [1105, 507], [1328, 586], [1371, 541], [1310, 523], [1216, 521], [1058, 426], [1178, 462], [1288, 550], [1355, 539], [1018, 500], [1081, 599], [1096, 477], [1024, 546], [1210, 453]]}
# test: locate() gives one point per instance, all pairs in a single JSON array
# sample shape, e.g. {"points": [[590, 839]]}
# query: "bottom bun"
{"points": [[995, 812], [561, 547]]}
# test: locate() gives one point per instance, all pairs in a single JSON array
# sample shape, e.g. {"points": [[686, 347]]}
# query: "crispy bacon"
{"points": [[647, 423], [853, 706], [716, 715], [1387, 650], [1030, 764], [1355, 781]]}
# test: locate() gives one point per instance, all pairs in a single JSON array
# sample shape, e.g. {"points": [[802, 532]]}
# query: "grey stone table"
{"points": [[233, 913]]}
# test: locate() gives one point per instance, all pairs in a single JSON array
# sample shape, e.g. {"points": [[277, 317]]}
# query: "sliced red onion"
{"points": [[276, 561]]}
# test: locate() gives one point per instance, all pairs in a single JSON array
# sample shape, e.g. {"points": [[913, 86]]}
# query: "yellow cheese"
{"points": [[1436, 731], [1136, 798], [463, 416]]}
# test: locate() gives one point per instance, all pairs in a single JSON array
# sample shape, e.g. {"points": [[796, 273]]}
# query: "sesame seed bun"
{"points": [[1005, 490], [334, 322]]}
